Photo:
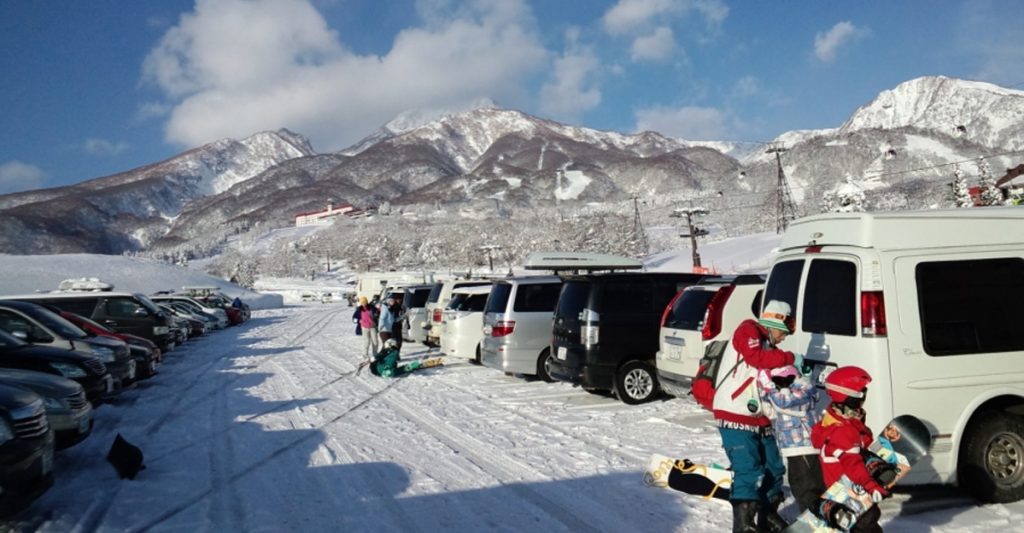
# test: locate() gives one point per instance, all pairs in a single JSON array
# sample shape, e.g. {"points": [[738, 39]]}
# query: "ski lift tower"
{"points": [[785, 209]]}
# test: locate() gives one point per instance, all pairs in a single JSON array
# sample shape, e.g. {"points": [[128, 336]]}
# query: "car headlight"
{"points": [[5, 431], [54, 403], [105, 354], [69, 370]]}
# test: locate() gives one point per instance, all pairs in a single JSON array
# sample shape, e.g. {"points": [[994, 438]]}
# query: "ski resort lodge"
{"points": [[326, 215]]}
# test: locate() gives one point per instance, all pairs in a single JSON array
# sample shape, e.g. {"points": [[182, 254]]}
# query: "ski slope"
{"points": [[269, 427]]}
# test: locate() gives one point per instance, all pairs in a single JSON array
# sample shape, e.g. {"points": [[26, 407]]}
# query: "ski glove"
{"points": [[798, 361], [877, 496]]}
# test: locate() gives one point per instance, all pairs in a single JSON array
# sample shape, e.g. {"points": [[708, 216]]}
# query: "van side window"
{"points": [[78, 306], [830, 298], [11, 322], [121, 307], [537, 297], [973, 306], [784, 284]]}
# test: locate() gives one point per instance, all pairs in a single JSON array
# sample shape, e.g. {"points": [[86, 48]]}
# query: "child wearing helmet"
{"points": [[841, 435], [788, 398], [385, 364], [746, 432]]}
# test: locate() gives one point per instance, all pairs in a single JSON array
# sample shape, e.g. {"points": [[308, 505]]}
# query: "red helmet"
{"points": [[846, 382]]}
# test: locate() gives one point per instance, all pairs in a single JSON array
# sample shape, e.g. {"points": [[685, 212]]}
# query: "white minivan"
{"points": [[517, 325], [437, 300], [930, 304], [462, 325]]}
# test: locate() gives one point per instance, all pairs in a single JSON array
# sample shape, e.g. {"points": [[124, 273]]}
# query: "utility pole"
{"points": [[785, 210], [692, 231], [638, 226], [490, 248]]}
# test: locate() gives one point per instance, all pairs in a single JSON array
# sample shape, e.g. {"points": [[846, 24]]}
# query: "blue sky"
{"points": [[92, 88]]}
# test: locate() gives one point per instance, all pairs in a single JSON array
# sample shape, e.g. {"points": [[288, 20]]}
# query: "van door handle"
{"points": [[110, 322]]}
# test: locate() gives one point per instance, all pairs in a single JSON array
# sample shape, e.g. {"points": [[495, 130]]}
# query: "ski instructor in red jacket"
{"points": [[746, 432]]}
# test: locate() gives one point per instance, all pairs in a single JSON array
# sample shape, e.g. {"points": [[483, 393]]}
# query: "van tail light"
{"points": [[713, 316], [668, 308], [872, 314], [437, 314], [502, 328]]}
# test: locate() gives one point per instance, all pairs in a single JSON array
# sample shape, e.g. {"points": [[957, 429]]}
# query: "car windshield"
{"points": [[689, 310], [55, 323], [147, 303], [8, 341]]}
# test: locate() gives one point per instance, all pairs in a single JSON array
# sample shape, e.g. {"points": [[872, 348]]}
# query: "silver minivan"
{"points": [[517, 325], [416, 319]]}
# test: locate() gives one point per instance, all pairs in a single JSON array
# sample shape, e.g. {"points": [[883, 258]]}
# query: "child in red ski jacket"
{"points": [[842, 434]]}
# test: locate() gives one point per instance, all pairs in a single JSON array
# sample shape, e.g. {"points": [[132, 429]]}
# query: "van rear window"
{"points": [[689, 309], [572, 299], [974, 306], [498, 300], [416, 298], [783, 285], [536, 297], [435, 293], [830, 298]]}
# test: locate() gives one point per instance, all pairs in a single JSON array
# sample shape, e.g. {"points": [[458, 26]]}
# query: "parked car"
{"points": [[183, 309], [463, 322], [930, 304], [437, 300], [416, 319], [38, 325], [192, 303], [147, 355], [605, 331], [517, 325], [194, 325], [699, 316], [86, 370], [68, 411], [26, 449], [122, 312]]}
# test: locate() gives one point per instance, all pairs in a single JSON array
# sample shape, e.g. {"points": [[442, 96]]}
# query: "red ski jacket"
{"points": [[841, 440], [751, 342]]}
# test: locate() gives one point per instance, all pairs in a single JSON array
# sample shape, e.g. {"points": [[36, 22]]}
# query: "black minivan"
{"points": [[605, 331], [26, 452]]}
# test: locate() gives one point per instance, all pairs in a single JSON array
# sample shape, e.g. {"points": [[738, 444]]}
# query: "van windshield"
{"points": [[573, 299], [499, 298], [56, 324], [689, 310]]}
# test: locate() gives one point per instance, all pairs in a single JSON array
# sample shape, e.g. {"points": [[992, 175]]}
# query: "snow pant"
{"points": [[396, 333], [756, 464], [371, 343], [805, 480]]}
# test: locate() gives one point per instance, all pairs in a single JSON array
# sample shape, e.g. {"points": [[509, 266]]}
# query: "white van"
{"points": [[517, 325], [930, 303], [463, 322], [437, 301]]}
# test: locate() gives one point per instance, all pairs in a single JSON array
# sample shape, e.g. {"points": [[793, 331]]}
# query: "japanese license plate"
{"points": [[561, 353]]}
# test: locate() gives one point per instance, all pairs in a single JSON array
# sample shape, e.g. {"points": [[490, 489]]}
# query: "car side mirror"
{"points": [[20, 334], [140, 312]]}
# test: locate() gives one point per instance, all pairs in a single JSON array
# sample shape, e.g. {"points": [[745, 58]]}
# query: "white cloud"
{"points": [[104, 147], [827, 44], [16, 176], [746, 87], [571, 89], [654, 47], [234, 67], [688, 122], [633, 16]]}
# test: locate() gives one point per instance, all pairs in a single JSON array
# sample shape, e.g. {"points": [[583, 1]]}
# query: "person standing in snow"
{"points": [[788, 398], [387, 319], [841, 435], [398, 311], [746, 432], [365, 317]]}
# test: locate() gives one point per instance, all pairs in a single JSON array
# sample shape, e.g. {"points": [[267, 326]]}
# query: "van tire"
{"points": [[636, 383], [543, 363], [476, 360], [991, 464]]}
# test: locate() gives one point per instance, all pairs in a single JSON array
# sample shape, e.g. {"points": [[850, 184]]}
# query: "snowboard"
{"points": [[708, 481], [903, 442]]}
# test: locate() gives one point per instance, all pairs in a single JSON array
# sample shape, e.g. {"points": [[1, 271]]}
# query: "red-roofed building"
{"points": [[325, 216]]}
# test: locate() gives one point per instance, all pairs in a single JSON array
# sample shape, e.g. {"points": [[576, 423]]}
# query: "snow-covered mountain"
{"points": [[899, 148]]}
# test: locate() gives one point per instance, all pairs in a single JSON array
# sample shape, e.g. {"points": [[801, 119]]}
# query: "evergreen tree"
{"points": [[990, 194], [958, 189]]}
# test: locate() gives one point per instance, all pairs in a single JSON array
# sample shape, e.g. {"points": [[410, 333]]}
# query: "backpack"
{"points": [[706, 381]]}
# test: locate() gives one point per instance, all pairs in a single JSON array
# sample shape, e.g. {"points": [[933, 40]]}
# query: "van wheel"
{"points": [[544, 366], [635, 383], [991, 466]]}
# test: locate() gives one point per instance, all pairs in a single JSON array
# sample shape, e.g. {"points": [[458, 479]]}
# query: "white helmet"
{"points": [[390, 343]]}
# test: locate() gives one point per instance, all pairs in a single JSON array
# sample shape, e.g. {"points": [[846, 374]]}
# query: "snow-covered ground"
{"points": [[268, 427]]}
